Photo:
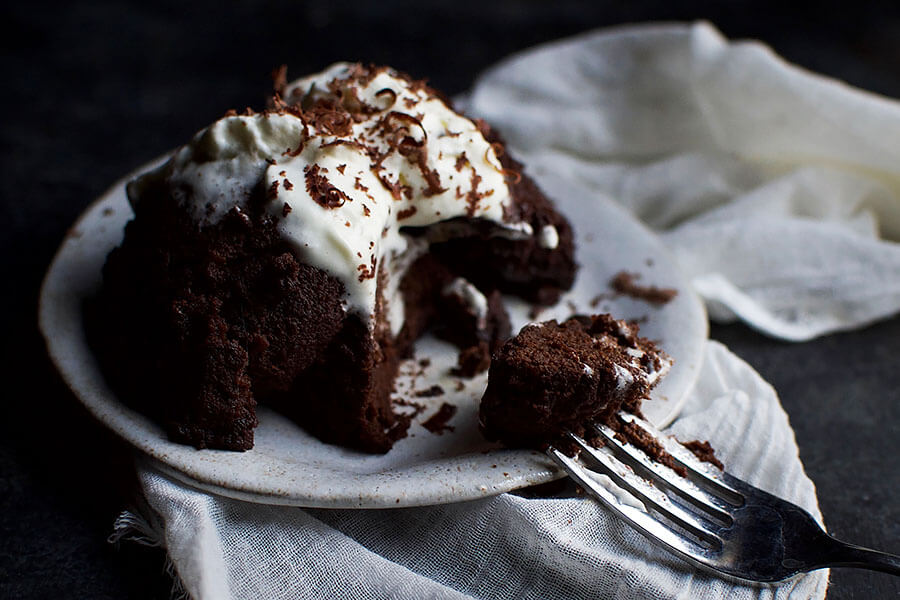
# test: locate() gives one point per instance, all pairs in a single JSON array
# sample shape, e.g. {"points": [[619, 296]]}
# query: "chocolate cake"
{"points": [[553, 378], [292, 256]]}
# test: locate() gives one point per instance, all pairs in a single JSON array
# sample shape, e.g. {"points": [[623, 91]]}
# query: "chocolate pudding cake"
{"points": [[292, 256], [553, 378]]}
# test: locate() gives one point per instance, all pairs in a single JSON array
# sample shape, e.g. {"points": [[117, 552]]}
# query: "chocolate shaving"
{"points": [[473, 197], [416, 154], [387, 92], [272, 192], [366, 271], [279, 80], [509, 173], [351, 143], [327, 116], [406, 213], [321, 190], [393, 187], [359, 185], [394, 115]]}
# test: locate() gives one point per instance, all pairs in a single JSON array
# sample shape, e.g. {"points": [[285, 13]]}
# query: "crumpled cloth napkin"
{"points": [[507, 546], [775, 189]]}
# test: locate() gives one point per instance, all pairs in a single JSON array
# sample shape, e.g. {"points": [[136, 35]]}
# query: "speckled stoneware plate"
{"points": [[288, 466]]}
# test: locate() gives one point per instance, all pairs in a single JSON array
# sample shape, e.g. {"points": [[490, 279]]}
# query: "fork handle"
{"points": [[842, 554]]}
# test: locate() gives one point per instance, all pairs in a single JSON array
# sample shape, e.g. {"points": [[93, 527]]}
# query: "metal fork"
{"points": [[710, 518]]}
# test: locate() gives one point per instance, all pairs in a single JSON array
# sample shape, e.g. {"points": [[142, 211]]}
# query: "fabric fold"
{"points": [[777, 189], [561, 547]]}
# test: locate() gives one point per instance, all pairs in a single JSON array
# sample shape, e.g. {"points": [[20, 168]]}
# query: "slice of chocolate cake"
{"points": [[292, 257], [553, 378]]}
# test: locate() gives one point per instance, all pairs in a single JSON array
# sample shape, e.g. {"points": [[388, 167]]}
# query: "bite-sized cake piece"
{"points": [[292, 256], [557, 377]]}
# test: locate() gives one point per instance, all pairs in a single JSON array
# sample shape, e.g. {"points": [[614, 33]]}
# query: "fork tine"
{"points": [[663, 476], [645, 492], [645, 523], [703, 474]]}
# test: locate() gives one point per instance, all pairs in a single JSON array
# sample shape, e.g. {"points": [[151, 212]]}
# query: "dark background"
{"points": [[93, 90]]}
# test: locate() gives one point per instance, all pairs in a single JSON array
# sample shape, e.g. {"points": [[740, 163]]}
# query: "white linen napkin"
{"points": [[777, 192], [507, 546], [775, 188]]}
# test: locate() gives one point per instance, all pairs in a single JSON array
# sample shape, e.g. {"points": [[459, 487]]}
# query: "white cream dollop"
{"points": [[472, 297], [549, 237], [354, 232]]}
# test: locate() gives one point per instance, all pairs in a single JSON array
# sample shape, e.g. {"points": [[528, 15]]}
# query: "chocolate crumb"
{"points": [[704, 452], [272, 192], [341, 168], [626, 283], [431, 392], [285, 210], [437, 423], [416, 406], [596, 300]]}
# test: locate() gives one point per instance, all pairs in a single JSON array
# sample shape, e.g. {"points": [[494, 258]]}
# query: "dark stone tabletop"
{"points": [[92, 90]]}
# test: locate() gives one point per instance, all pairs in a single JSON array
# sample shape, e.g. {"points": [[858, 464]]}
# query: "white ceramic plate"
{"points": [[288, 466]]}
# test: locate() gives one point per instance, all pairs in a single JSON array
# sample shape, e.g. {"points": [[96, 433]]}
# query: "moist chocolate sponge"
{"points": [[557, 377]]}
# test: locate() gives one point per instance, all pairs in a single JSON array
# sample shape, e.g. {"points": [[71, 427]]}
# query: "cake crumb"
{"points": [[473, 360], [434, 390], [625, 283], [437, 423], [704, 452]]}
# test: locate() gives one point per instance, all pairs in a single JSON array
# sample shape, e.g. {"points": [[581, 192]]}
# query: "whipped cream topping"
{"points": [[471, 297], [639, 363], [548, 237], [648, 367], [348, 159]]}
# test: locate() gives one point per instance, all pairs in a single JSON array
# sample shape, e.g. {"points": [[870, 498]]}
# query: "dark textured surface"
{"points": [[93, 90]]}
